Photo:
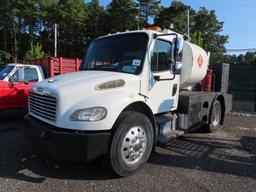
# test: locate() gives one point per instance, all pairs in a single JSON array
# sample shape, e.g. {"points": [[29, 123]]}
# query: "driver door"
{"points": [[16, 90], [162, 95], [11, 90]]}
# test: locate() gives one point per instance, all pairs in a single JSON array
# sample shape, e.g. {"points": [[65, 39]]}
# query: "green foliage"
{"points": [[176, 14], [96, 21], [24, 22], [205, 28], [248, 58], [197, 39], [5, 57], [35, 52], [148, 8], [71, 17], [207, 23], [121, 15]]}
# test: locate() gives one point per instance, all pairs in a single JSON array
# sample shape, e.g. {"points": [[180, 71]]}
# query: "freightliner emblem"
{"points": [[41, 91], [52, 80]]}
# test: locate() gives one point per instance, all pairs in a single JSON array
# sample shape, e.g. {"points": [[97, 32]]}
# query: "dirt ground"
{"points": [[198, 161]]}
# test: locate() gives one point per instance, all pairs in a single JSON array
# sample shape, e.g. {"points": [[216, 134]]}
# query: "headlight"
{"points": [[89, 114]]}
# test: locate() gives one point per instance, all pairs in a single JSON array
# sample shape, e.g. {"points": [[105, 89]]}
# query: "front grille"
{"points": [[43, 105]]}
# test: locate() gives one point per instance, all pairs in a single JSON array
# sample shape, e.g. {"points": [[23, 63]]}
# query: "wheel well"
{"points": [[143, 108], [221, 99]]}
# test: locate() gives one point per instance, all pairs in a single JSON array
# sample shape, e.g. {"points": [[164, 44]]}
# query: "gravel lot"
{"points": [[223, 161]]}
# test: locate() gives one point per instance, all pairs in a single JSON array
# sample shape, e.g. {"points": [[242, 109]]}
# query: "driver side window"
{"points": [[30, 75], [161, 58]]}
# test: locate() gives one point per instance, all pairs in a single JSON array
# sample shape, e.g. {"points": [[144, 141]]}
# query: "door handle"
{"points": [[157, 77]]}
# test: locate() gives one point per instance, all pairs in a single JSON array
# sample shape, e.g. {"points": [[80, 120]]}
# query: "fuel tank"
{"points": [[195, 63]]}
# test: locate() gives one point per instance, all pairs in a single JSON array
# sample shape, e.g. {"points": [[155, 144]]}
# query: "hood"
{"points": [[87, 89], [75, 83]]}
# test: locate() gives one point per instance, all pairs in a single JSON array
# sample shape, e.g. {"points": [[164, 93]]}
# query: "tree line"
{"points": [[249, 58], [27, 26]]}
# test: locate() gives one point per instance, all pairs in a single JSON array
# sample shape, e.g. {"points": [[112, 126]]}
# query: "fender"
{"points": [[114, 100]]}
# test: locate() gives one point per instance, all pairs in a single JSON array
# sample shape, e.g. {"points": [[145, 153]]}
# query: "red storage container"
{"points": [[207, 81], [55, 66]]}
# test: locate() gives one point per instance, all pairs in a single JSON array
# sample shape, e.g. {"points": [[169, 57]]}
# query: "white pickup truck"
{"points": [[136, 89]]}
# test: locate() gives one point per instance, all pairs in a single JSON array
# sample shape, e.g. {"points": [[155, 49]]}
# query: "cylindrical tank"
{"points": [[195, 63], [207, 81]]}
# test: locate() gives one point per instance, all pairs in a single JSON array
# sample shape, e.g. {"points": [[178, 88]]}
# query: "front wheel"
{"points": [[132, 143]]}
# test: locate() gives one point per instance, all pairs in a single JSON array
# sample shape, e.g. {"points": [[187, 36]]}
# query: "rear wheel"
{"points": [[132, 143], [215, 117]]}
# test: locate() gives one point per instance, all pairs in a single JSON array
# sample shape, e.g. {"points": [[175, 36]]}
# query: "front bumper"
{"points": [[64, 144]]}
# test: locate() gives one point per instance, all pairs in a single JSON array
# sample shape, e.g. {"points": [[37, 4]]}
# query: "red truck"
{"points": [[15, 79]]}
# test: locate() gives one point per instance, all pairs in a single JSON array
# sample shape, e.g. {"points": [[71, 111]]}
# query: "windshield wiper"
{"points": [[101, 69], [89, 69], [104, 68]]}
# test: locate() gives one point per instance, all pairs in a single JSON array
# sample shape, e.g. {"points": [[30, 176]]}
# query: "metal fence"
{"points": [[242, 85]]}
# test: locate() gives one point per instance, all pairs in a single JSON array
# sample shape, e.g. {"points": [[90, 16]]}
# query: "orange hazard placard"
{"points": [[200, 61]]}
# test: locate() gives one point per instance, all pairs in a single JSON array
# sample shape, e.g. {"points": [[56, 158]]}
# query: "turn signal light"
{"points": [[154, 28]]}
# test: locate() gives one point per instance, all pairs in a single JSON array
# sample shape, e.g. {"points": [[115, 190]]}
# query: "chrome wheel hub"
{"points": [[216, 116], [134, 145]]}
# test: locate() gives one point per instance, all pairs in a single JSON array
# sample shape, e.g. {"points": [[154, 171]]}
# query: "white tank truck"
{"points": [[136, 89]]}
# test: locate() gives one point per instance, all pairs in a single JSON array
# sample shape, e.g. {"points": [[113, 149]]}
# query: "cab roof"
{"points": [[20, 65], [149, 32]]}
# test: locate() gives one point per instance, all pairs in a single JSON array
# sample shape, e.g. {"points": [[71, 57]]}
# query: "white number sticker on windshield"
{"points": [[5, 74], [136, 62]]}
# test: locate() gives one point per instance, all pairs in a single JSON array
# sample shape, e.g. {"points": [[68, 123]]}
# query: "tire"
{"points": [[131, 144], [215, 117]]}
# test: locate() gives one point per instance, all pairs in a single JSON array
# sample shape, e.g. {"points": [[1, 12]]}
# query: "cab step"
{"points": [[171, 135], [167, 124]]}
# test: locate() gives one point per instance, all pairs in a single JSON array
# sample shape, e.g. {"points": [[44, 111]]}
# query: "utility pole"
{"points": [[15, 47], [188, 29], [55, 39]]}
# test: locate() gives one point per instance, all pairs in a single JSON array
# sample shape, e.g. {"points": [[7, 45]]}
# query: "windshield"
{"points": [[122, 53], [5, 72]]}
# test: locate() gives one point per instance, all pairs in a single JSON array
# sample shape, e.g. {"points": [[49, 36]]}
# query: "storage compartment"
{"points": [[221, 77]]}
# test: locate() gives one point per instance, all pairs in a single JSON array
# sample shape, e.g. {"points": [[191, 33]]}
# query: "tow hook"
{"points": [[45, 135]]}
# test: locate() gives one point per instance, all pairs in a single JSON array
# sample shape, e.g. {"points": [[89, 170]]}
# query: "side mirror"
{"points": [[178, 47], [12, 80], [25, 82], [177, 68], [17, 77], [176, 65]]}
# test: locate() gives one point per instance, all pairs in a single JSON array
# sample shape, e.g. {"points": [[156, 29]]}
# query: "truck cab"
{"points": [[124, 101], [15, 80]]}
